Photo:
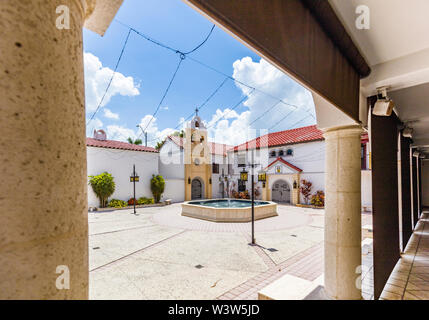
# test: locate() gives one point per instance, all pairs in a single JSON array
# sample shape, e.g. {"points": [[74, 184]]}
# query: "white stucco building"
{"points": [[283, 159], [118, 158]]}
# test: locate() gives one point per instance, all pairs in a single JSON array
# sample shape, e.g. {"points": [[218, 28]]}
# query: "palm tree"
{"points": [[137, 141], [180, 134], [159, 145]]}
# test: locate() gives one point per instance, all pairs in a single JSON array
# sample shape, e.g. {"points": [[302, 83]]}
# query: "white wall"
{"points": [[119, 163], [309, 157], [174, 190], [171, 159], [425, 183], [366, 189]]}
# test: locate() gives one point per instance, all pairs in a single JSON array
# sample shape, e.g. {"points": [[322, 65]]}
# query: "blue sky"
{"points": [[146, 69]]}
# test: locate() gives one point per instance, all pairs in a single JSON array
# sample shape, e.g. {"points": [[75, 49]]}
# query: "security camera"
{"points": [[384, 106]]}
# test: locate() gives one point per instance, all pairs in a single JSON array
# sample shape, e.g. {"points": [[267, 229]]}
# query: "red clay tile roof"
{"points": [[290, 165], [112, 144], [215, 148], [304, 134]]}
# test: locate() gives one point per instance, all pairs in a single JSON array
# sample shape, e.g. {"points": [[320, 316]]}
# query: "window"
{"points": [[241, 160], [289, 152], [281, 153], [215, 168], [272, 154]]}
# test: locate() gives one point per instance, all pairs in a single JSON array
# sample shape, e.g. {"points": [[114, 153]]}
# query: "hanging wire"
{"points": [[182, 57], [205, 102], [111, 79], [202, 43], [207, 66], [232, 109], [265, 112]]}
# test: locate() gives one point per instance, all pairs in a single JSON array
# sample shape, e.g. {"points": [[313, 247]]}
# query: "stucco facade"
{"points": [[119, 163]]}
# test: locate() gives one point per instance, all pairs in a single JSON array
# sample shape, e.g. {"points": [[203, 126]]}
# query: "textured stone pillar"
{"points": [[295, 192], [343, 212], [43, 201]]}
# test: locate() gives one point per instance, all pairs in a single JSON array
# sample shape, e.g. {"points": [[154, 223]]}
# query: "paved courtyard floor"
{"points": [[158, 254]]}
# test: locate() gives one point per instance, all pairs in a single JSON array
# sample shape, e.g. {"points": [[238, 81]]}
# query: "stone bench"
{"points": [[289, 287]]}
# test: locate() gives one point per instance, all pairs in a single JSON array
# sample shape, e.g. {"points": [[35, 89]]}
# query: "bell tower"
{"points": [[198, 181]]}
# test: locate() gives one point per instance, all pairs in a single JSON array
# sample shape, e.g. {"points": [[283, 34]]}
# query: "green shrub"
{"points": [[318, 199], [115, 203], [103, 186], [144, 200], [157, 185]]}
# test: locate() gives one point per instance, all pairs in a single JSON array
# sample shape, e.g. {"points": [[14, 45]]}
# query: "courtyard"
{"points": [[159, 254]]}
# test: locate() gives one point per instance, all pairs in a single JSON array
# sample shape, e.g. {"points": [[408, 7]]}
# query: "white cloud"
{"points": [[111, 115], [267, 78], [235, 127], [115, 132], [121, 133], [97, 78], [153, 133]]}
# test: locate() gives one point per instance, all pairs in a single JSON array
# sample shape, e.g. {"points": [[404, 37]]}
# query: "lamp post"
{"points": [[134, 178], [145, 134], [243, 176]]}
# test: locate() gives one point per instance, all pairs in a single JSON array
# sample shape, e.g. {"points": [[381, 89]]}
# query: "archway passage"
{"points": [[196, 189], [281, 191]]}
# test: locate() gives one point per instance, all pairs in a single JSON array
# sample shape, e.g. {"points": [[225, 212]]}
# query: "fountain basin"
{"points": [[228, 210]]}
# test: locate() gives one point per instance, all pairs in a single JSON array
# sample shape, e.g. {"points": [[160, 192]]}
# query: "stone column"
{"points": [[43, 200], [295, 192], [343, 212]]}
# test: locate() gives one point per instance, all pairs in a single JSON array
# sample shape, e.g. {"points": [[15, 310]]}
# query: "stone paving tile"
{"points": [[410, 277], [145, 256]]}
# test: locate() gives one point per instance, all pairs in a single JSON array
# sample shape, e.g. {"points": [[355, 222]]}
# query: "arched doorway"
{"points": [[280, 191], [196, 189]]}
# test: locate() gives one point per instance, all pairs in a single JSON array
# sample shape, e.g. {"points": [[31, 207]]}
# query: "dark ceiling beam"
{"points": [[332, 25]]}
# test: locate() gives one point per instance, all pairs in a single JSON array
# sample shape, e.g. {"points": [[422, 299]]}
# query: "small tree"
{"points": [[318, 199], [103, 186], [157, 185], [305, 189], [136, 141]]}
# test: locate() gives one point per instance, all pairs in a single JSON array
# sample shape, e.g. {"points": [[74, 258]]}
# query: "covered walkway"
{"points": [[410, 277]]}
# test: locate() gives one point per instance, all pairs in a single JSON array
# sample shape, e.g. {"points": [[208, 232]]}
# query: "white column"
{"points": [[343, 212], [43, 200]]}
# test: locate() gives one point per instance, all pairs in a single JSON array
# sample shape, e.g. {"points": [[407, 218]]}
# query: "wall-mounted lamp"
{"points": [[384, 106], [407, 132], [263, 184], [189, 180], [210, 180], [295, 185]]}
